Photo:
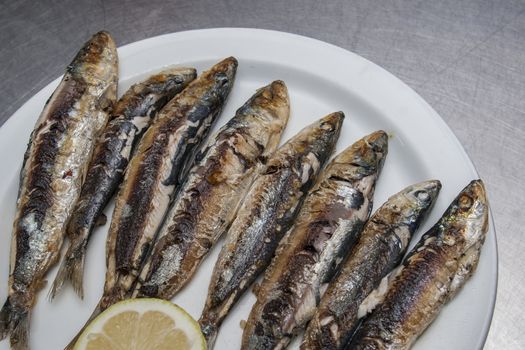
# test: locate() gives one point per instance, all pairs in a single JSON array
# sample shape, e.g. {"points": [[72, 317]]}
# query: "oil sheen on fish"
{"points": [[52, 174], [266, 214], [131, 117], [431, 275], [326, 228], [152, 176], [380, 248], [208, 200]]}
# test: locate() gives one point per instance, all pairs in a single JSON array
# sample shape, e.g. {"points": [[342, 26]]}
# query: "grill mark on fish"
{"points": [[40, 175], [380, 248], [151, 177], [430, 276], [181, 125], [327, 226], [208, 200], [130, 118], [266, 213], [53, 170]]}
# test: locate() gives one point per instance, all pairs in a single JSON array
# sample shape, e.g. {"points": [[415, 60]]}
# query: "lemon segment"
{"points": [[145, 324]]}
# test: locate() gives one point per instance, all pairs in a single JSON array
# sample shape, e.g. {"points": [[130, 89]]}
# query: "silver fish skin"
{"points": [[208, 200], [54, 168], [266, 214], [328, 225], [131, 116], [380, 248], [430, 276], [152, 174]]}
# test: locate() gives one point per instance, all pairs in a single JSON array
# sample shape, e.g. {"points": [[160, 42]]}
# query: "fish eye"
{"points": [[327, 126], [421, 195], [465, 202], [222, 79]]}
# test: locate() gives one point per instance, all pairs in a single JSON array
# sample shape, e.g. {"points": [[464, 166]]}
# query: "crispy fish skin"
{"points": [[152, 174], [208, 200], [152, 178], [380, 248], [326, 228], [266, 214], [431, 275], [131, 116], [52, 174]]}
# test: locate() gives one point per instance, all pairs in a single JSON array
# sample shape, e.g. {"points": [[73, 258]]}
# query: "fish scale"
{"points": [[380, 248], [151, 177], [131, 116], [327, 226], [431, 275], [266, 213], [210, 197]]}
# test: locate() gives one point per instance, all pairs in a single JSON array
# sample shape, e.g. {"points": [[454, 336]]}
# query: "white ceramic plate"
{"points": [[321, 78]]}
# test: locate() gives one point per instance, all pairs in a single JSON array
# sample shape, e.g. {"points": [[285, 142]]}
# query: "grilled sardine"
{"points": [[153, 175], [380, 248], [266, 214], [131, 117], [52, 174], [208, 200], [431, 275], [326, 228]]}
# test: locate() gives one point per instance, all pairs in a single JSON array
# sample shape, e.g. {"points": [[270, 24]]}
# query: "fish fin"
{"points": [[72, 270], [210, 331], [14, 321], [101, 220]]}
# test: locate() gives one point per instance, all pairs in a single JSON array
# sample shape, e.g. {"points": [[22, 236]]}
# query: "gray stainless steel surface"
{"points": [[466, 58]]}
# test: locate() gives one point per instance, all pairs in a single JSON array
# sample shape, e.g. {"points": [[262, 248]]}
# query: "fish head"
{"points": [[222, 76], [469, 211], [172, 78], [273, 98], [422, 195], [100, 48], [363, 158], [370, 152], [405, 210], [413, 202], [326, 132]]}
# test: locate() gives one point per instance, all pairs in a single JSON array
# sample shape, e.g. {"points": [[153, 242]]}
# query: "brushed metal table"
{"points": [[466, 58]]}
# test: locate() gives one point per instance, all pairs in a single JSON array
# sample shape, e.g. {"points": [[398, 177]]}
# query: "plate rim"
{"points": [[128, 49]]}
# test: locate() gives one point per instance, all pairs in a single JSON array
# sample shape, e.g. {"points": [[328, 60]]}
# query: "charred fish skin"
{"points": [[380, 248], [151, 178], [53, 171], [266, 214], [131, 116], [208, 200], [152, 174], [431, 275], [327, 226]]}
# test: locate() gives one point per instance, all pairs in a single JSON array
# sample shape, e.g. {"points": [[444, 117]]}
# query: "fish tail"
{"points": [[71, 270], [209, 329], [14, 321]]}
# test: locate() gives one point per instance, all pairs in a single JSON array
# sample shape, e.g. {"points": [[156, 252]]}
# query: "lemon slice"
{"points": [[145, 324]]}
